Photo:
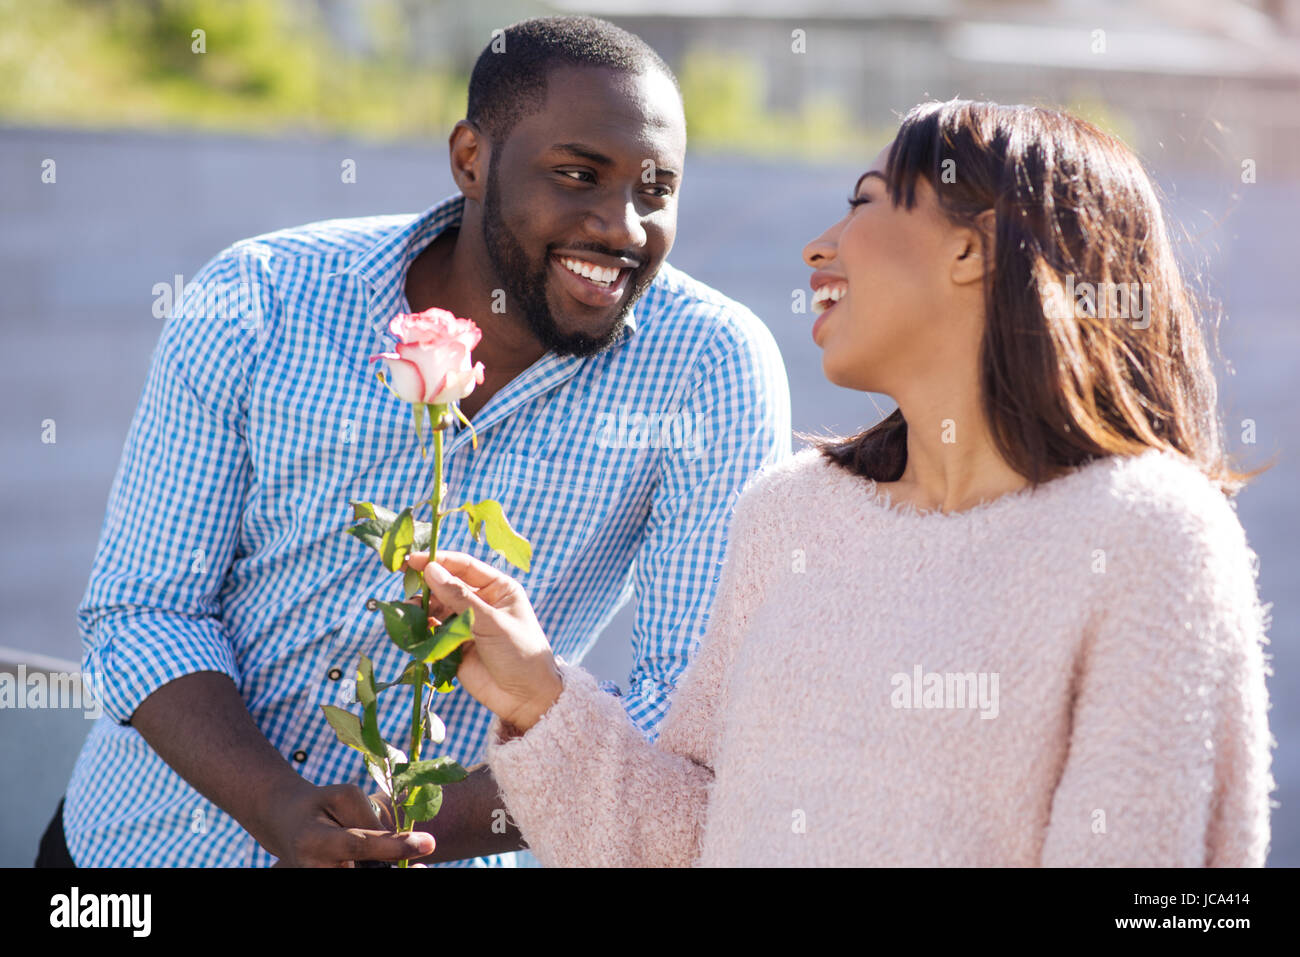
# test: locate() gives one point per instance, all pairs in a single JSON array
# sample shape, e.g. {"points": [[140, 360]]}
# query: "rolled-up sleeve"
{"points": [[151, 612], [736, 411]]}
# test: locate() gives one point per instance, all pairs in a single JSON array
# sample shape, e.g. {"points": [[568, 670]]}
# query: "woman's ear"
{"points": [[973, 248]]}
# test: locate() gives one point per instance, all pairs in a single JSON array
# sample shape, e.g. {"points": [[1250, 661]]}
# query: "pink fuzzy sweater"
{"points": [[1065, 676]]}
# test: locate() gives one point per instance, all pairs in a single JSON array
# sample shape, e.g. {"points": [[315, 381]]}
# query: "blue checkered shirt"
{"points": [[222, 548]]}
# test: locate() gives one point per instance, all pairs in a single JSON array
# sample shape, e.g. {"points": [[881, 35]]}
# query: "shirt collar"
{"points": [[383, 267]]}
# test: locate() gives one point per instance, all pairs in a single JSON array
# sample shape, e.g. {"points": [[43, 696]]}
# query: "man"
{"points": [[624, 407]]}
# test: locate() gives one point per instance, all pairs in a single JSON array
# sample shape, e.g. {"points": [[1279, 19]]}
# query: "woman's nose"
{"points": [[821, 250]]}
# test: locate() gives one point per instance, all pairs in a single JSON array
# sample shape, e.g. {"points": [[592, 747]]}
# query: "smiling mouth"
{"points": [[589, 283], [828, 295], [825, 298]]}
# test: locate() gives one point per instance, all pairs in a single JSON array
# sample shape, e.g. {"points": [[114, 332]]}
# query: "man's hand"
{"points": [[335, 826], [472, 822], [200, 725], [380, 800]]}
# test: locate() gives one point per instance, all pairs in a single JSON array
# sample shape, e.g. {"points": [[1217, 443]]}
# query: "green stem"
{"points": [[417, 703], [435, 502], [417, 696], [399, 818]]}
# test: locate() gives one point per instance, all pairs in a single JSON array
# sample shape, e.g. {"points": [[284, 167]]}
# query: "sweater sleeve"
{"points": [[1169, 757], [585, 786]]}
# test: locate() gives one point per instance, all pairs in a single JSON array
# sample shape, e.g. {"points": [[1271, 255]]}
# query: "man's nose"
{"points": [[616, 224]]}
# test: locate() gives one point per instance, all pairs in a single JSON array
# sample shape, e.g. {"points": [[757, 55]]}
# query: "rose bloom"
{"points": [[432, 363]]}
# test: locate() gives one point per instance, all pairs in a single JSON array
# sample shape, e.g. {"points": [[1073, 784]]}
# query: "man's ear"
{"points": [[973, 249], [469, 153]]}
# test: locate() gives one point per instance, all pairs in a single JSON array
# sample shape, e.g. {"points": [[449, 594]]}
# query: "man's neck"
{"points": [[449, 276]]}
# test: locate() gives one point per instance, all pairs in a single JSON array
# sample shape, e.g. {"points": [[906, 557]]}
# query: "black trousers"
{"points": [[53, 851]]}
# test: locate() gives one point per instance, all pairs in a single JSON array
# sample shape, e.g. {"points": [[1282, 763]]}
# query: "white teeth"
{"points": [[597, 274], [829, 294]]}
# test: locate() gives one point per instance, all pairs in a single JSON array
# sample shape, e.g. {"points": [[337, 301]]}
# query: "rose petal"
{"points": [[407, 380], [437, 395], [444, 367], [457, 386], [434, 326]]}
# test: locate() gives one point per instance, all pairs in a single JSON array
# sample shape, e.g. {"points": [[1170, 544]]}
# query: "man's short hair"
{"points": [[509, 85]]}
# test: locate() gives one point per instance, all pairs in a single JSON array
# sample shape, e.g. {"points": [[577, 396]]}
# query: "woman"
{"points": [[1014, 623]]}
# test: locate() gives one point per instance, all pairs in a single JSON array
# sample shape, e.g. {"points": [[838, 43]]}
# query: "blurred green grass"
{"points": [[269, 67], [724, 95]]}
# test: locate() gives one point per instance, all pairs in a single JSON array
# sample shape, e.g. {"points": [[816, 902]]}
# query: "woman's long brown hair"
{"points": [[1064, 379]]}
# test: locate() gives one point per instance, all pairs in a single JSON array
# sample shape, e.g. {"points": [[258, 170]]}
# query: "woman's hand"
{"points": [[508, 666]]}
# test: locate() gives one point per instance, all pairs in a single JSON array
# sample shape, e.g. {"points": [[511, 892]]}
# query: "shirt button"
{"points": [[336, 674], [300, 756]]}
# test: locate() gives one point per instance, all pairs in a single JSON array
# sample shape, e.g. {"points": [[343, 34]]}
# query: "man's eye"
{"points": [[666, 192], [575, 173]]}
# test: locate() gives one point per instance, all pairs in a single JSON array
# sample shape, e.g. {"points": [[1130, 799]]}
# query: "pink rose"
{"points": [[432, 363]]}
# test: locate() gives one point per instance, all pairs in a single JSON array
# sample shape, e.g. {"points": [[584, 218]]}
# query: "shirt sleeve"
{"points": [[738, 411], [1169, 759], [151, 611], [585, 786]]}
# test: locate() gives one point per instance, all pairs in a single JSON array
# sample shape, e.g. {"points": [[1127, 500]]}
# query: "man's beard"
{"points": [[525, 287]]}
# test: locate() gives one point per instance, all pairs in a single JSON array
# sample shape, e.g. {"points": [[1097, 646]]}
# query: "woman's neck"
{"points": [[952, 463]]}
